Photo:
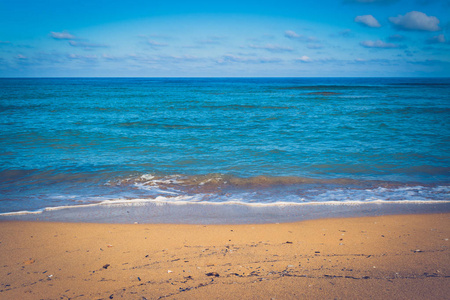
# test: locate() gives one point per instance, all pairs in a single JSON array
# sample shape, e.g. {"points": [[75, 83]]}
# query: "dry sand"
{"points": [[397, 257]]}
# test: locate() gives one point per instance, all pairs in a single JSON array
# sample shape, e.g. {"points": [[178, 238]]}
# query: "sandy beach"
{"points": [[398, 257]]}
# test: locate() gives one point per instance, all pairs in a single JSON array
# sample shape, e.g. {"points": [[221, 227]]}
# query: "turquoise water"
{"points": [[75, 141]]}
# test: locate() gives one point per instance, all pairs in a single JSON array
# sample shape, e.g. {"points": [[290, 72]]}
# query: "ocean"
{"points": [[67, 142]]}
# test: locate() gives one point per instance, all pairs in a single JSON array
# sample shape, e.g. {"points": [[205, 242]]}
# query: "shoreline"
{"points": [[153, 212], [377, 257]]}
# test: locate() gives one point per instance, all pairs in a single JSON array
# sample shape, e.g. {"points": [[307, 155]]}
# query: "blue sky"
{"points": [[153, 38]]}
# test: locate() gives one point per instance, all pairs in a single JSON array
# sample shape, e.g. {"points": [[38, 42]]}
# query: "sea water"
{"points": [[252, 141]]}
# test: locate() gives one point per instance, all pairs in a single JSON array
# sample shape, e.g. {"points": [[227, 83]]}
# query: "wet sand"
{"points": [[400, 257]]}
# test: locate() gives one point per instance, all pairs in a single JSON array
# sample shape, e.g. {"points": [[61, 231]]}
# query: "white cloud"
{"points": [[377, 44], [112, 58], [85, 58], [304, 58], [292, 35], [268, 60], [62, 35], [156, 44], [295, 36], [272, 48], [229, 58], [180, 58], [416, 20], [86, 45], [439, 39], [367, 20]]}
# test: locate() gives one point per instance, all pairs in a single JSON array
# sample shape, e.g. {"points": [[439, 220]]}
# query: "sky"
{"points": [[233, 38]]}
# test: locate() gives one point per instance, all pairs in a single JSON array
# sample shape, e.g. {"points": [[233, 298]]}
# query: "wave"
{"points": [[119, 188], [218, 180], [272, 189], [161, 201], [225, 189]]}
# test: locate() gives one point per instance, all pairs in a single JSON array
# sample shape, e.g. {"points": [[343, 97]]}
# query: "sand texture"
{"points": [[387, 257]]}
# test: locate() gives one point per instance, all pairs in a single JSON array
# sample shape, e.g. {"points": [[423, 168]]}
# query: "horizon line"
{"points": [[212, 77]]}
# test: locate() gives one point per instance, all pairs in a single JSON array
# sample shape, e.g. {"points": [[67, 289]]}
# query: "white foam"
{"points": [[147, 176], [183, 200], [154, 189], [341, 196], [23, 212]]}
